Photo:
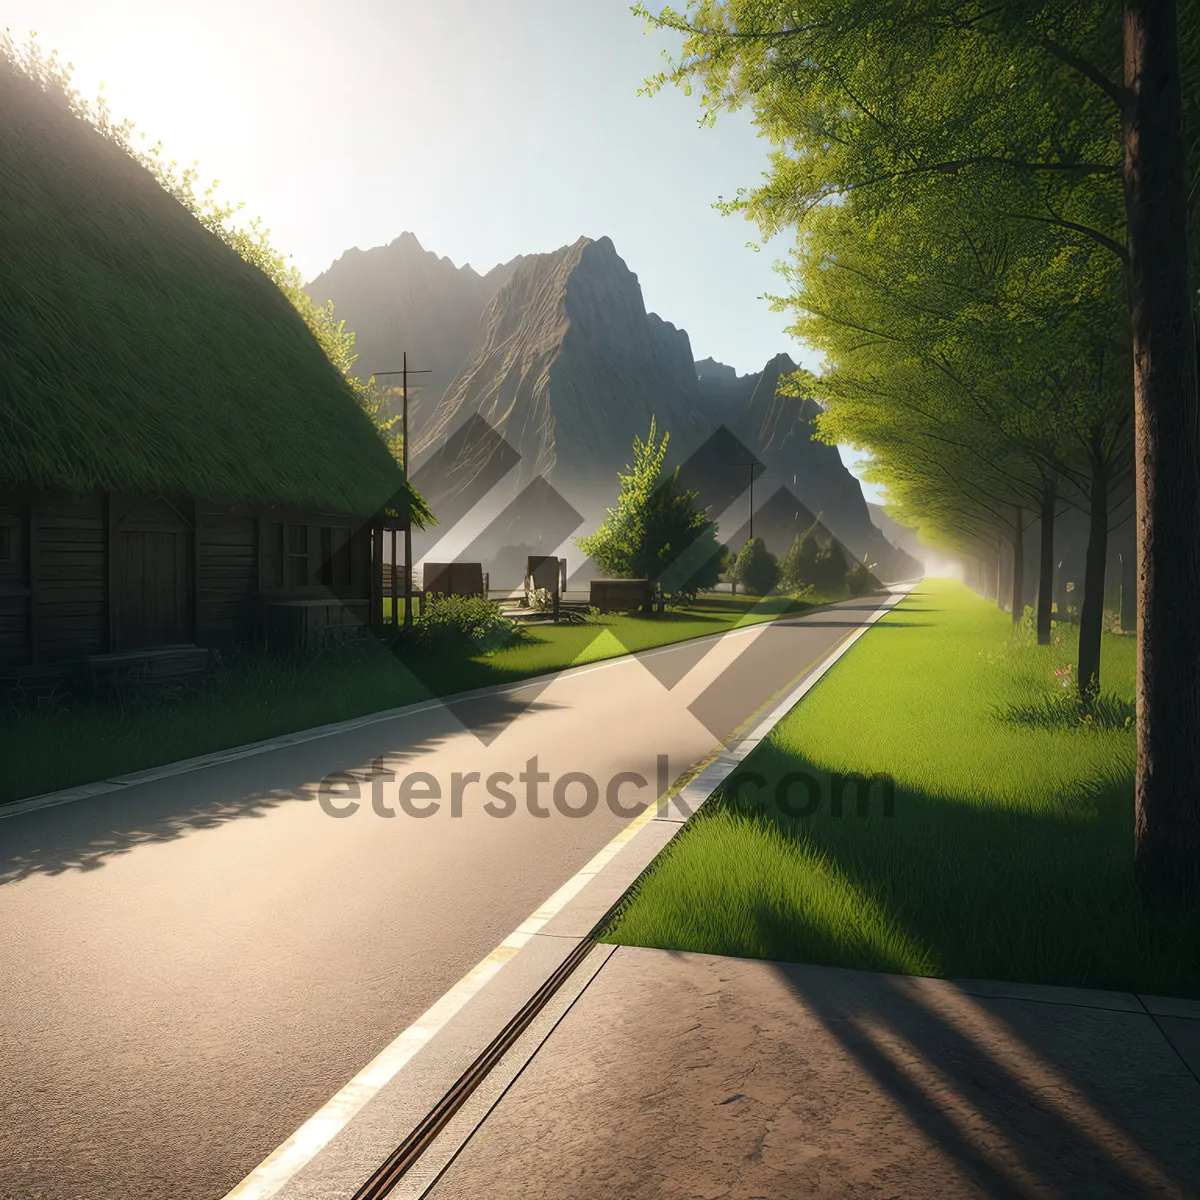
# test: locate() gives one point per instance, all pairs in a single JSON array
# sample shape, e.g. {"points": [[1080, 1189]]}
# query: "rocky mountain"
{"points": [[568, 366], [806, 474], [552, 363], [402, 297]]}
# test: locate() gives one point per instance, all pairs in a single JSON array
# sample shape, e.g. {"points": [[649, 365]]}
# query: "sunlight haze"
{"points": [[487, 130]]}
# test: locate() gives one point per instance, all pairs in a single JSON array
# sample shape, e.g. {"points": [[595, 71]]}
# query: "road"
{"points": [[189, 968]]}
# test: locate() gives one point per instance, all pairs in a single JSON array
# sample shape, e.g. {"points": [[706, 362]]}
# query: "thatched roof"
{"points": [[140, 354]]}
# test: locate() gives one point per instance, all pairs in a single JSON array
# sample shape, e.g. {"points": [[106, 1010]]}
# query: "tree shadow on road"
{"points": [[86, 834]]}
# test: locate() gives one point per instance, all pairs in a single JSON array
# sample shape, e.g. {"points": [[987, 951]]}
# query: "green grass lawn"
{"points": [[263, 696], [1009, 852]]}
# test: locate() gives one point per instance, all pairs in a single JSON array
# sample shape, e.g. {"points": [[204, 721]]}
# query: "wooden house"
{"points": [[180, 464]]}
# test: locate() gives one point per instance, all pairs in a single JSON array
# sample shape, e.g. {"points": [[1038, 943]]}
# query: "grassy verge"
{"points": [[1008, 853], [263, 696]]}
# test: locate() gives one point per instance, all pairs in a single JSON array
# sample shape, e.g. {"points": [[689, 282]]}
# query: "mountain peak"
{"points": [[569, 367], [711, 371]]}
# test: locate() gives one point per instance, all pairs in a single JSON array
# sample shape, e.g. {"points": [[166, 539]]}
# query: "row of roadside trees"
{"points": [[657, 531], [993, 205]]}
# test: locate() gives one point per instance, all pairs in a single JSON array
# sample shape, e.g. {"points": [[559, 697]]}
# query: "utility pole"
{"points": [[405, 460], [752, 466]]}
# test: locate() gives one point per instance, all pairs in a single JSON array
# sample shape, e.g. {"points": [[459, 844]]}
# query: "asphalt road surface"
{"points": [[189, 968]]}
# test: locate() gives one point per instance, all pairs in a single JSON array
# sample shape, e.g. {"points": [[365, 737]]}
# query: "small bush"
{"points": [[683, 598], [860, 580], [462, 625], [796, 566], [829, 570], [756, 568]]}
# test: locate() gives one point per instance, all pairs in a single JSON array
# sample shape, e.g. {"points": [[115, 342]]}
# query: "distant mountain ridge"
{"points": [[779, 429], [402, 297], [557, 353]]}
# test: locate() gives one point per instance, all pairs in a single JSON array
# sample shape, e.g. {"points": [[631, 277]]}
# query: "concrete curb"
{"points": [[337, 1170]]}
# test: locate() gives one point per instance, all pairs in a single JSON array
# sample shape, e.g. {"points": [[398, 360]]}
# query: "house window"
{"points": [[297, 555], [335, 556], [273, 555]]}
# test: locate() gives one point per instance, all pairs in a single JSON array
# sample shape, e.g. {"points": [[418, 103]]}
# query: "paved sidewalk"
{"points": [[688, 1075]]}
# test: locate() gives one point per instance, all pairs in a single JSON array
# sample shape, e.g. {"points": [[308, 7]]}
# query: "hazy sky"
{"points": [[488, 129]]}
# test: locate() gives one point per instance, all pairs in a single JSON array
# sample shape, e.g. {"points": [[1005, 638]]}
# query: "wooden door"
{"points": [[151, 566]]}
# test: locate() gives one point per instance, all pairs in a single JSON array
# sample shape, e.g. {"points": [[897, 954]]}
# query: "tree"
{"points": [[874, 99], [860, 579], [796, 566], [656, 531], [1167, 787], [994, 360], [756, 568], [829, 571]]}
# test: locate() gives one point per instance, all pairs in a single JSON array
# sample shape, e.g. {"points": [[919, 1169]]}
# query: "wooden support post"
{"points": [[375, 622], [408, 588], [395, 581]]}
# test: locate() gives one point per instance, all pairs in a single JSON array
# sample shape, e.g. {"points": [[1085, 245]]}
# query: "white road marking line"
{"points": [[323, 1126], [320, 1129]]}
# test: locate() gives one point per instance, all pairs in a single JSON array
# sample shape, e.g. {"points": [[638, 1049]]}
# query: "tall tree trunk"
{"points": [[1018, 568], [1091, 612], [1167, 448], [999, 573], [1045, 601]]}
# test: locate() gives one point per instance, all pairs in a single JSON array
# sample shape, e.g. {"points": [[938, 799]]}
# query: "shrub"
{"points": [[756, 568], [829, 570], [796, 567], [860, 580], [462, 625]]}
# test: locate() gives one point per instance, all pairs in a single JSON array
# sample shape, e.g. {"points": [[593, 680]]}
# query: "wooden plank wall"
{"points": [[227, 560], [71, 575], [14, 583]]}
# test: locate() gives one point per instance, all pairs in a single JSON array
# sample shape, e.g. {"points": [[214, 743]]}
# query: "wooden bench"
{"points": [[621, 595]]}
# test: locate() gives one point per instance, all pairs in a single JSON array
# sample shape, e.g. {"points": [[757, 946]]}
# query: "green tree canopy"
{"points": [[1078, 116], [756, 568], [656, 531], [796, 566]]}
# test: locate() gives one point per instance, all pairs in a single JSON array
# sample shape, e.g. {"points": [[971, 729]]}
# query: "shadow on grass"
{"points": [[102, 828], [1106, 713], [737, 605], [942, 886]]}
